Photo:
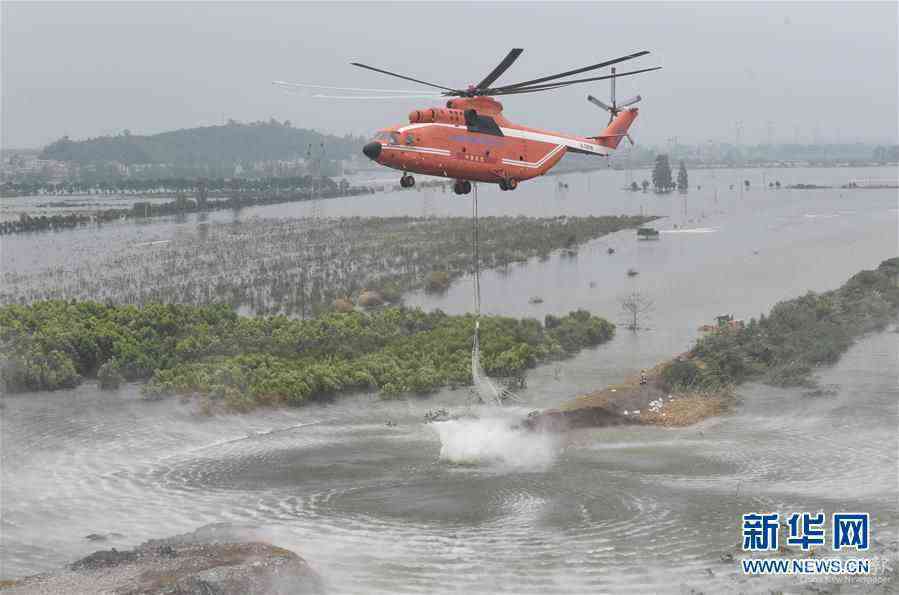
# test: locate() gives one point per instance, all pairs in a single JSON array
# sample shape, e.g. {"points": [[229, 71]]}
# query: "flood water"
{"points": [[473, 506]]}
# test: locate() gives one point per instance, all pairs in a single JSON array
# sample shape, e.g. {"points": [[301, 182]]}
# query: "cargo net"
{"points": [[484, 388]]}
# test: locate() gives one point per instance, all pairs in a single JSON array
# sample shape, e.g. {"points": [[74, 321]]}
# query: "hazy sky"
{"points": [[86, 69]]}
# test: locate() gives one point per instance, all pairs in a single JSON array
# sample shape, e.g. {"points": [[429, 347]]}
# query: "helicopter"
{"points": [[469, 140]]}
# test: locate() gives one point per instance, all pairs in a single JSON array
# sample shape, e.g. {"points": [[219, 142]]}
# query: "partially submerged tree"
{"points": [[682, 183], [636, 307]]}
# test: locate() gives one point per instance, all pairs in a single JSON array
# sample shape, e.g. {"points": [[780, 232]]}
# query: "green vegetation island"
{"points": [[781, 349], [242, 362]]}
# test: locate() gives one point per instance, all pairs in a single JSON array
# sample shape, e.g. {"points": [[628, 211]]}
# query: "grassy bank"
{"points": [[246, 361], [798, 335], [781, 349]]}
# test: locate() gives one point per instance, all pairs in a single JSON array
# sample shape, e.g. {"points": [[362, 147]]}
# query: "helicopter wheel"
{"points": [[462, 187], [407, 181], [503, 185], [511, 184]]}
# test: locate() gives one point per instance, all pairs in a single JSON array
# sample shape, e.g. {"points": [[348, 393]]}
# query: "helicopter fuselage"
{"points": [[471, 140]]}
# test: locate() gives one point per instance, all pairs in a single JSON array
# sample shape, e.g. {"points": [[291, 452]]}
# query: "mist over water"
{"points": [[472, 505]]}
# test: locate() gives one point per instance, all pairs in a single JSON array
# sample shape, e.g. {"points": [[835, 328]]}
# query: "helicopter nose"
{"points": [[372, 150]]}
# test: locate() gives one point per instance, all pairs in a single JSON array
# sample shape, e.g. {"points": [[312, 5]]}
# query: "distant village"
{"points": [[22, 166]]}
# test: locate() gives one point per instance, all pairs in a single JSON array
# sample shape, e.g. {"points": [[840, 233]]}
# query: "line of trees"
{"points": [[241, 194], [662, 179], [171, 186]]}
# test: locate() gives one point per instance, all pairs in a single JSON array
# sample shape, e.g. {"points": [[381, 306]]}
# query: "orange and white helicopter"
{"points": [[470, 139]]}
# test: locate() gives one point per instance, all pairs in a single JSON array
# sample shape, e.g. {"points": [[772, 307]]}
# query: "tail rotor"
{"points": [[613, 107]]}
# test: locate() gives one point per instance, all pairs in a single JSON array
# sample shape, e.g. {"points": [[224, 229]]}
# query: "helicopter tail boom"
{"points": [[617, 128]]}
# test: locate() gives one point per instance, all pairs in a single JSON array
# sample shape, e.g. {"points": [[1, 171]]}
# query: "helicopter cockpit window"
{"points": [[388, 137], [482, 124], [410, 140]]}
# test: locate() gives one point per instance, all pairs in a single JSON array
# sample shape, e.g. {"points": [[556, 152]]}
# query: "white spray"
{"points": [[495, 440]]}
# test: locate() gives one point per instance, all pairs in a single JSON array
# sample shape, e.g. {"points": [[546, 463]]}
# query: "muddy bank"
{"points": [[220, 560], [633, 403]]}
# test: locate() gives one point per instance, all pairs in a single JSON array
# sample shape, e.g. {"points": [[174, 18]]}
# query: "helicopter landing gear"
{"points": [[407, 181], [510, 184], [462, 187]]}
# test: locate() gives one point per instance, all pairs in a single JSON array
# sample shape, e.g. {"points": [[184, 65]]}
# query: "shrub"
{"points": [[110, 375], [343, 305], [437, 281], [370, 299], [680, 374]]}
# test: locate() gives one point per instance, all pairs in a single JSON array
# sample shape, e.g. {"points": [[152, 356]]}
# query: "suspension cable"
{"points": [[476, 252]]}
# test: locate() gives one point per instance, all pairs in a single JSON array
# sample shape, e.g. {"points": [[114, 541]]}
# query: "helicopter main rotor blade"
{"points": [[320, 96], [500, 68], [408, 78], [551, 86], [569, 73], [631, 101], [285, 84]]}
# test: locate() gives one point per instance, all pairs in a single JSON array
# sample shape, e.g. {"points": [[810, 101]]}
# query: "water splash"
{"points": [[495, 440]]}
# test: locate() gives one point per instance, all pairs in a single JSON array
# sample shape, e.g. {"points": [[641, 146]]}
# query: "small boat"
{"points": [[647, 233], [632, 273], [536, 300]]}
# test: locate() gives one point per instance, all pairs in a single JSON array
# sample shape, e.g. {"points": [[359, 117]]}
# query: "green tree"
{"points": [[661, 174]]}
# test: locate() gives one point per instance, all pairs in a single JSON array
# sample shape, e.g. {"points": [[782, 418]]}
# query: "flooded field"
{"points": [[301, 266], [469, 506]]}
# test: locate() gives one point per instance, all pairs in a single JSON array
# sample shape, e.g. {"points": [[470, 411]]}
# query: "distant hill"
{"points": [[226, 144]]}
